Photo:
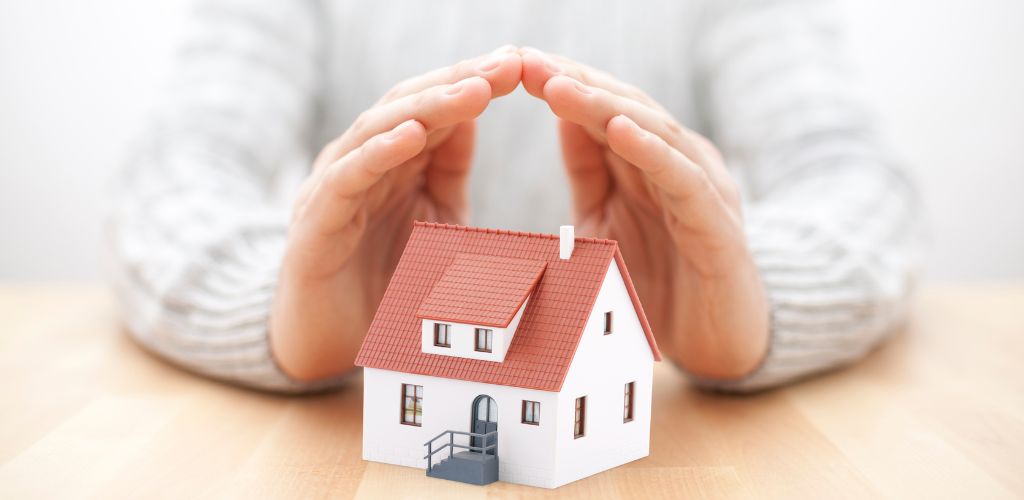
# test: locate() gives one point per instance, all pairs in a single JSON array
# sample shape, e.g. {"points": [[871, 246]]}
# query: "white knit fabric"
{"points": [[197, 233]]}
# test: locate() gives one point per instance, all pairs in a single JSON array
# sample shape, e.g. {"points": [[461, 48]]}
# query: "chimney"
{"points": [[566, 241]]}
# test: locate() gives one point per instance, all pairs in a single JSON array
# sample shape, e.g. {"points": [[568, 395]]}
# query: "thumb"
{"points": [[448, 171], [589, 177]]}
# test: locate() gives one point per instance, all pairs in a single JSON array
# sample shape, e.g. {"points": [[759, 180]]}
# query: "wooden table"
{"points": [[936, 413]]}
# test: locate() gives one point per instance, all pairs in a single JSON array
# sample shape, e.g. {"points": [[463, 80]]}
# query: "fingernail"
{"points": [[582, 88], [490, 63], [548, 63], [455, 88], [397, 131], [632, 124], [505, 49]]}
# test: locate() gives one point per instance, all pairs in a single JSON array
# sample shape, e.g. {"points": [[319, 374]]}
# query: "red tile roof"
{"points": [[484, 290], [549, 331]]}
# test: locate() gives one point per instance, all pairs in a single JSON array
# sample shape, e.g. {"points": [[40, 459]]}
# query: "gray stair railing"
{"points": [[451, 444]]}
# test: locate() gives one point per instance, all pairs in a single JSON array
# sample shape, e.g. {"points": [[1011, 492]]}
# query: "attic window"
{"points": [[608, 323], [441, 335], [484, 338]]}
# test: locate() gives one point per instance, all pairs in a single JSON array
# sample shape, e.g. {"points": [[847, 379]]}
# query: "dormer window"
{"points": [[456, 320], [608, 323], [484, 339], [442, 332]]}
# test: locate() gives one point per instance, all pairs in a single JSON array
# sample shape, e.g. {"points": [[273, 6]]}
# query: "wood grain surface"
{"points": [[938, 412]]}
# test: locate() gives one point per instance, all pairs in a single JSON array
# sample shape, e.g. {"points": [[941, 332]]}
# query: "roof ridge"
{"points": [[530, 234]]}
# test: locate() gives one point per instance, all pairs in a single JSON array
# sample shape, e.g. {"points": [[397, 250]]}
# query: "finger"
{"points": [[336, 199], [501, 68], [592, 107], [435, 108], [689, 194], [589, 178], [633, 184], [539, 67], [448, 172]]}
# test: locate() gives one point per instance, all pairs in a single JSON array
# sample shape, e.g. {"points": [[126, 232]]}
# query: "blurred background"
{"points": [[76, 80]]}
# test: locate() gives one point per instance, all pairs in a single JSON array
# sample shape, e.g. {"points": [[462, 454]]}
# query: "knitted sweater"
{"points": [[196, 236]]}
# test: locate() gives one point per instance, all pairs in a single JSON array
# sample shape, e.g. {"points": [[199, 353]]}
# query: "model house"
{"points": [[501, 355]]}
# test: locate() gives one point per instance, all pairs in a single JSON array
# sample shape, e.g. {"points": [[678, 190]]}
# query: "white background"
{"points": [[77, 77]]}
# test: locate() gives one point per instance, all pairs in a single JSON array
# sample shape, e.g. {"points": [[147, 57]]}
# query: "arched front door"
{"points": [[484, 420]]}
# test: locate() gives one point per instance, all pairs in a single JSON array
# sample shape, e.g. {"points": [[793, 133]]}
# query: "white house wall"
{"points": [[603, 364], [526, 453], [462, 338]]}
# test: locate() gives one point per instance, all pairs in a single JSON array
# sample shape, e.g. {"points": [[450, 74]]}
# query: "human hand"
{"points": [[663, 192], [406, 158]]}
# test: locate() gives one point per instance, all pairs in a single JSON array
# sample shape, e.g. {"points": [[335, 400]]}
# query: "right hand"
{"points": [[406, 158]]}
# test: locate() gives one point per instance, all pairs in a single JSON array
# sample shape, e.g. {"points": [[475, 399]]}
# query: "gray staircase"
{"points": [[477, 465], [467, 467]]}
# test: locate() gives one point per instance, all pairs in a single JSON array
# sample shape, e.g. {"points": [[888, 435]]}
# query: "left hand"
{"points": [[663, 192], [406, 158]]}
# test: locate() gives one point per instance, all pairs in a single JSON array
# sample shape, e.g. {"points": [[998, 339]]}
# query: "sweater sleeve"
{"points": [[195, 238], [831, 219]]}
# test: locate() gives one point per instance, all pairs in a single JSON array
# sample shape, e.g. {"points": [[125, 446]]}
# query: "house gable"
{"points": [[603, 365]]}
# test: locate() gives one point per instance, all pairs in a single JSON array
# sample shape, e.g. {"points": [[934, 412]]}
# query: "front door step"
{"points": [[467, 467]]}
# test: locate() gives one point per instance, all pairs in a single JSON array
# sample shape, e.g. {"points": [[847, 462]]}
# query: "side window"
{"points": [[441, 335], [484, 337], [627, 402], [608, 323], [412, 404], [580, 418], [531, 412]]}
